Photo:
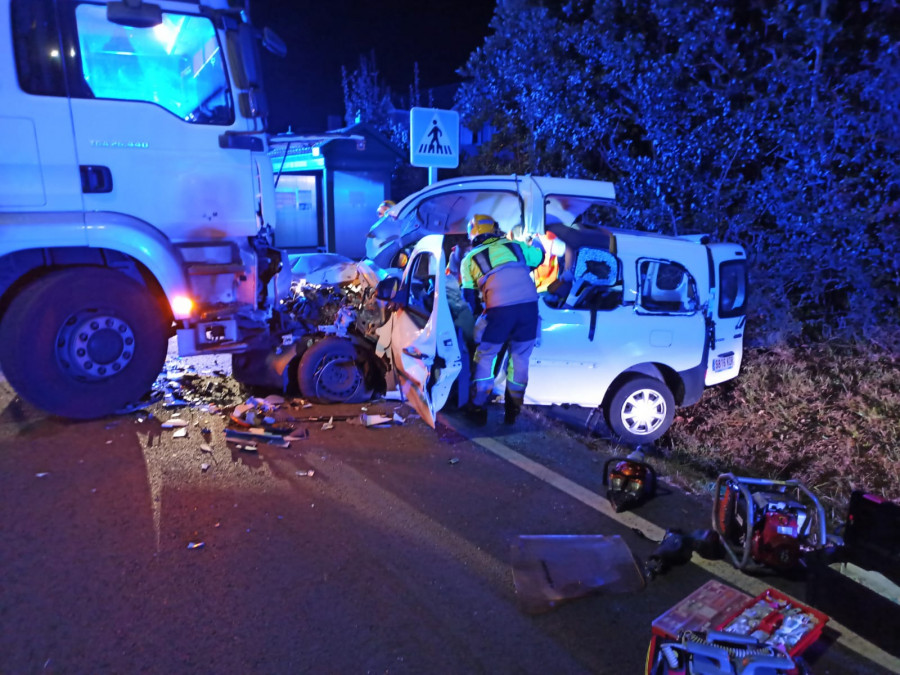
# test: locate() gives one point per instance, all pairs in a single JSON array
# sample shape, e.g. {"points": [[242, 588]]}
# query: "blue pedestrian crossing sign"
{"points": [[434, 138]]}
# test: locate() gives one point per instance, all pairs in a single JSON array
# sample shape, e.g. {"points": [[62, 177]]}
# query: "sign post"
{"points": [[433, 139]]}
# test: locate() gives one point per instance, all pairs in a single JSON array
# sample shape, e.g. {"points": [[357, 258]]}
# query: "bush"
{"points": [[825, 414]]}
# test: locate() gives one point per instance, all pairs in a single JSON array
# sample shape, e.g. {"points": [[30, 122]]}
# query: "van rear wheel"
{"points": [[641, 410], [83, 342]]}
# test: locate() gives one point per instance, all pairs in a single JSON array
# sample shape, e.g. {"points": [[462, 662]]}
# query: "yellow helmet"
{"points": [[480, 224], [384, 207]]}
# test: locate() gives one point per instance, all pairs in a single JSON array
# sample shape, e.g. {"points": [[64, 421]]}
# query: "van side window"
{"points": [[732, 288], [177, 65], [39, 57], [666, 287]]}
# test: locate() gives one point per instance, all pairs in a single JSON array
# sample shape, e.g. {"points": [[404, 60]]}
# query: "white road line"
{"points": [[723, 570]]}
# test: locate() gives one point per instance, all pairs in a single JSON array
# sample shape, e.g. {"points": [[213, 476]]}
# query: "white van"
{"points": [[645, 324]]}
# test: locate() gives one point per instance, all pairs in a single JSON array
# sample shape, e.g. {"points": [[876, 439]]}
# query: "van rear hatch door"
{"points": [[728, 312]]}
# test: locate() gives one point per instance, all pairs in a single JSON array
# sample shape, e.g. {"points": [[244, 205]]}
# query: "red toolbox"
{"points": [[771, 617], [778, 620]]}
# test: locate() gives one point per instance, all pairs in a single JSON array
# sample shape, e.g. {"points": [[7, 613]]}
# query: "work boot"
{"points": [[511, 411], [476, 414]]}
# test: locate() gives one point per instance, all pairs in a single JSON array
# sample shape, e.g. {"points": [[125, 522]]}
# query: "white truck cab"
{"points": [[636, 324], [135, 194]]}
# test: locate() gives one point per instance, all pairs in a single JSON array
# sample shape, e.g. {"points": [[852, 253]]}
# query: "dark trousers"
{"points": [[515, 326]]}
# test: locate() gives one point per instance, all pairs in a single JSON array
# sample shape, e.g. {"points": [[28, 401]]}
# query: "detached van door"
{"points": [[728, 311], [424, 348]]}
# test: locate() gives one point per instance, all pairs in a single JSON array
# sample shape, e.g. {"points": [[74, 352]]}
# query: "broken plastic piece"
{"points": [[204, 466], [274, 400], [180, 433], [195, 544], [550, 569], [308, 474], [252, 436], [329, 424], [204, 447], [174, 423], [453, 460], [398, 419], [42, 474], [297, 435], [378, 421]]}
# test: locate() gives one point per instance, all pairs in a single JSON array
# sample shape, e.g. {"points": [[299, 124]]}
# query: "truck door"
{"points": [[38, 168], [424, 348], [150, 109], [728, 312]]}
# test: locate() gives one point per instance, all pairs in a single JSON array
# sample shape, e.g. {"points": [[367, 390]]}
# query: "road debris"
{"points": [[376, 421], [180, 433], [195, 544], [329, 424], [453, 460], [253, 436], [308, 474], [298, 435], [204, 467], [551, 569], [43, 474], [174, 423]]}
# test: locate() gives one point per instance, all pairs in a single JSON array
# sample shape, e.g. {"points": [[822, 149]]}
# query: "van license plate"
{"points": [[721, 363]]}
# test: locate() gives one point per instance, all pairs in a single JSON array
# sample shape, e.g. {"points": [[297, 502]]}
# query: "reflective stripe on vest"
{"points": [[483, 258]]}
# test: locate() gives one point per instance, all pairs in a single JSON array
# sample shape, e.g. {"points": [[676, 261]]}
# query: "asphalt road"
{"points": [[120, 553]]}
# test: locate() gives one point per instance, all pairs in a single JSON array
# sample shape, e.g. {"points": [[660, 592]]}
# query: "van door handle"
{"points": [[95, 179]]}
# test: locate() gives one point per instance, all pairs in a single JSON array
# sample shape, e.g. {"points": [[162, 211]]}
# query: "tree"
{"points": [[771, 123]]}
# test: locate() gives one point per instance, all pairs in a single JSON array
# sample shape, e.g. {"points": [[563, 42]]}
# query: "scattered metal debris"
{"points": [[253, 436]]}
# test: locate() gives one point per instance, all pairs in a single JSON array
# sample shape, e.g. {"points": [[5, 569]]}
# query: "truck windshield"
{"points": [[177, 65]]}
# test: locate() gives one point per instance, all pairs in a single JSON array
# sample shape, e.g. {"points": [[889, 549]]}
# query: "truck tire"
{"points": [[331, 372], [641, 410], [83, 342]]}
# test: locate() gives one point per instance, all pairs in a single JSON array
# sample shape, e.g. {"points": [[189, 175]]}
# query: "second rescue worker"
{"points": [[501, 270]]}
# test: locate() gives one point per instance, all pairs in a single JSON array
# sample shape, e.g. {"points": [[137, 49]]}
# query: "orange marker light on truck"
{"points": [[182, 306]]}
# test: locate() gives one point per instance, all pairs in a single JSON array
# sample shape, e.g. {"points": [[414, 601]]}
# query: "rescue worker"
{"points": [[500, 271], [384, 207]]}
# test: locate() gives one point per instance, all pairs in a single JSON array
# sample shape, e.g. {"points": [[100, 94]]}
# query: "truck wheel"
{"points": [[83, 342], [330, 372], [641, 410]]}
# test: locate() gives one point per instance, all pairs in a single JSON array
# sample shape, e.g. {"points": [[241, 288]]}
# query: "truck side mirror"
{"points": [[134, 13], [387, 289], [273, 42]]}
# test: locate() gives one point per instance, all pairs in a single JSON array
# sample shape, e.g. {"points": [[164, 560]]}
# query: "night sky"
{"points": [[305, 87]]}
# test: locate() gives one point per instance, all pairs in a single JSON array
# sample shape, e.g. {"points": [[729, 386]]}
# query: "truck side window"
{"points": [[177, 65], [39, 59], [667, 287]]}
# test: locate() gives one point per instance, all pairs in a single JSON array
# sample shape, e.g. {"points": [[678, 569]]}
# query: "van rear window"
{"points": [[732, 288]]}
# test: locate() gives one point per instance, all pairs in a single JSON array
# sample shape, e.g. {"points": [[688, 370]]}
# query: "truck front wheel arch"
{"points": [[640, 409], [83, 342]]}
